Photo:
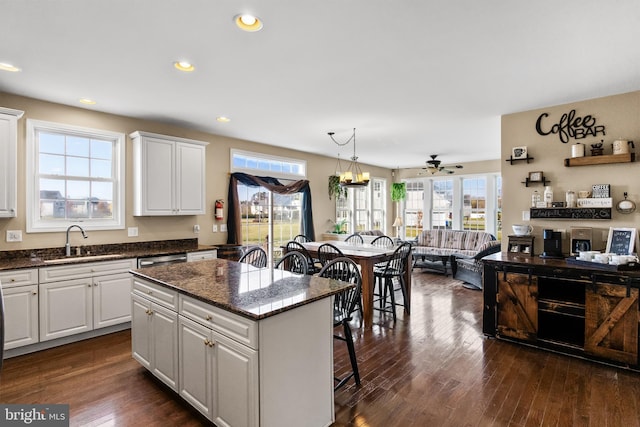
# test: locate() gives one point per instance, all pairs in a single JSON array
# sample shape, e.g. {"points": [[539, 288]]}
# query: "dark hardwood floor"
{"points": [[433, 368]]}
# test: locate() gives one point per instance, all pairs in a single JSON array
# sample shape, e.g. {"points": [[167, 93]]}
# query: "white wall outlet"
{"points": [[196, 229], [214, 228], [223, 228], [14, 235], [526, 216], [132, 231]]}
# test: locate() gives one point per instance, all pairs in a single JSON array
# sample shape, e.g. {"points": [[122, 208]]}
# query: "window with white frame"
{"points": [[364, 208], [459, 203], [74, 175], [256, 202]]}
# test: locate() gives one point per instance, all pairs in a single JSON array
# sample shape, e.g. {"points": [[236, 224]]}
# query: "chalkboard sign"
{"points": [[621, 241]]}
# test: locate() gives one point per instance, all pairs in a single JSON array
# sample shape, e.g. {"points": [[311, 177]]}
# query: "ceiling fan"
{"points": [[434, 165]]}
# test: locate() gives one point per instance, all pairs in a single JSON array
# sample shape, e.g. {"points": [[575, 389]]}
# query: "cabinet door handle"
{"points": [[96, 284], [150, 292], [206, 342], [208, 317], [89, 284], [211, 343], [149, 312], [13, 280], [34, 293]]}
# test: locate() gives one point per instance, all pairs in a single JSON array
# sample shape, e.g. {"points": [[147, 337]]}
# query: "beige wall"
{"points": [[160, 228], [620, 116]]}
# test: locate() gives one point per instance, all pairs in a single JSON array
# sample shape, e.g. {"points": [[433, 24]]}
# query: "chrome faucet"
{"points": [[67, 247]]}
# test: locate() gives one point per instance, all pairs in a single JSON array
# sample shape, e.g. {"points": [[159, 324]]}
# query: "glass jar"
{"points": [[570, 198], [535, 199], [548, 195]]}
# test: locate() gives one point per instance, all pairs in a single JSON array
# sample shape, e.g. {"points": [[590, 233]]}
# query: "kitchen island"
{"points": [[244, 346]]}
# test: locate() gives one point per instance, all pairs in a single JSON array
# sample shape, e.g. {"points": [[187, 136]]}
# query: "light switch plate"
{"points": [[214, 228], [196, 229], [132, 231], [14, 235], [223, 228], [526, 215]]}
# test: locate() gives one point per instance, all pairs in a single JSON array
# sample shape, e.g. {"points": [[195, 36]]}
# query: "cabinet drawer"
{"points": [[77, 271], [202, 255], [12, 278], [233, 326], [156, 293]]}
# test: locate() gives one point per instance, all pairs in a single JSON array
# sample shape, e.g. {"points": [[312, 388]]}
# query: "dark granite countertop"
{"points": [[240, 288], [10, 260]]}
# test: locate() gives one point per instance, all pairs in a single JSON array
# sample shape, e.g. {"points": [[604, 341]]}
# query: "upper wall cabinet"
{"points": [[169, 175], [8, 161]]}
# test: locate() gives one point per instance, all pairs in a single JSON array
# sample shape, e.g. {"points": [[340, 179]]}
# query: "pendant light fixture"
{"points": [[353, 175]]}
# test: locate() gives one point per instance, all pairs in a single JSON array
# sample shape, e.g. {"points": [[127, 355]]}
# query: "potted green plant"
{"points": [[398, 191], [335, 189]]}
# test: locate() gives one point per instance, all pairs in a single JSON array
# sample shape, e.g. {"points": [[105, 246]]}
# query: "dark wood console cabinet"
{"points": [[591, 313]]}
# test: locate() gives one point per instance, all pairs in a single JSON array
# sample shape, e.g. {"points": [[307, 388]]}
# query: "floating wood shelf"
{"points": [[570, 213], [528, 182], [600, 160]]}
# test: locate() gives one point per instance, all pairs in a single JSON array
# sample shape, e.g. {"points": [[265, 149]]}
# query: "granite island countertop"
{"points": [[255, 293]]}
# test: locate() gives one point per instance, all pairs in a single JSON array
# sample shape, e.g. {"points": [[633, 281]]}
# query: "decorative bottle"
{"points": [[535, 198], [548, 195]]}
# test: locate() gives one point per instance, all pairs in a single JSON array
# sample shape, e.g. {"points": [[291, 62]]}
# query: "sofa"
{"points": [[438, 249]]}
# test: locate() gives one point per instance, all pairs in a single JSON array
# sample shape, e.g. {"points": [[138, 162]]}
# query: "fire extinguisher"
{"points": [[218, 209]]}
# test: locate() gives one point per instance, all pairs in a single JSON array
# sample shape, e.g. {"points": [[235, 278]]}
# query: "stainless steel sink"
{"points": [[69, 260]]}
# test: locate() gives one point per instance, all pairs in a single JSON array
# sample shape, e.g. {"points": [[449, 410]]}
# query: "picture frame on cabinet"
{"points": [[519, 153], [622, 241], [535, 176]]}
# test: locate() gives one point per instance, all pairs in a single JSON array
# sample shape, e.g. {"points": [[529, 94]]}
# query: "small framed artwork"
{"points": [[535, 176], [621, 241], [519, 152]]}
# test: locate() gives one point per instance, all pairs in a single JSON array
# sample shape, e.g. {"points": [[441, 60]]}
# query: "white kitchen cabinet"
{"points": [[82, 297], [154, 339], [8, 161], [201, 255], [218, 376], [169, 175], [20, 289]]}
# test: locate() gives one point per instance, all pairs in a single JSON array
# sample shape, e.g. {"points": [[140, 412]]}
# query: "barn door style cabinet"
{"points": [[590, 313]]}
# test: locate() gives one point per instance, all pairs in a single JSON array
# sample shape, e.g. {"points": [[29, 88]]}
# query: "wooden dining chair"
{"points": [[301, 238], [344, 305], [383, 242], [328, 252], [314, 267], [294, 262], [255, 256], [394, 268], [355, 239]]}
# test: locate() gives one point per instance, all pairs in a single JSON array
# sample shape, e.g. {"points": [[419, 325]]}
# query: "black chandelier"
{"points": [[353, 175]]}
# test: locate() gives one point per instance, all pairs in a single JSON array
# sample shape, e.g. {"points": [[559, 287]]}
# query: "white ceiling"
{"points": [[415, 77]]}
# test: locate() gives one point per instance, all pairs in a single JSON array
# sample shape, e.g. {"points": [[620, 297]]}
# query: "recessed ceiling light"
{"points": [[248, 23], [223, 119], [9, 67], [184, 66], [87, 101]]}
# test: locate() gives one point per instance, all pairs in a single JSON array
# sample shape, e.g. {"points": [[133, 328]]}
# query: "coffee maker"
{"points": [[552, 244]]}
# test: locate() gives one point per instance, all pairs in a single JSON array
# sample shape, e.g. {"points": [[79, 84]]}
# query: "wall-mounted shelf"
{"points": [[600, 160], [570, 213], [511, 159], [544, 182]]}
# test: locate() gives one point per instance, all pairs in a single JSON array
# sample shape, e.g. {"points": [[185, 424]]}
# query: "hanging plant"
{"points": [[335, 189], [398, 191]]}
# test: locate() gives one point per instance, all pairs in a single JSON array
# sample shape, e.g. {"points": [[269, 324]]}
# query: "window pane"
{"points": [[77, 166], [78, 190], [442, 203], [51, 165], [100, 168], [101, 149], [77, 146], [51, 143], [474, 192], [414, 205], [52, 202]]}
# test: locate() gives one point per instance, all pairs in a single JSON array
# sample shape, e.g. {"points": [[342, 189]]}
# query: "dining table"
{"points": [[367, 256]]}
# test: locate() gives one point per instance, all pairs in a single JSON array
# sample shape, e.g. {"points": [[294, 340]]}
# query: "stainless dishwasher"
{"points": [[154, 261]]}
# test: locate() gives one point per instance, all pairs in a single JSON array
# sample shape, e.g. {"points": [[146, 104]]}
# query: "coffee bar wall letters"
{"points": [[569, 126]]}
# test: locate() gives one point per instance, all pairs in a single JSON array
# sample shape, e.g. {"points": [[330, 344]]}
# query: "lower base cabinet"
{"points": [[154, 339], [589, 313], [20, 316], [217, 376]]}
